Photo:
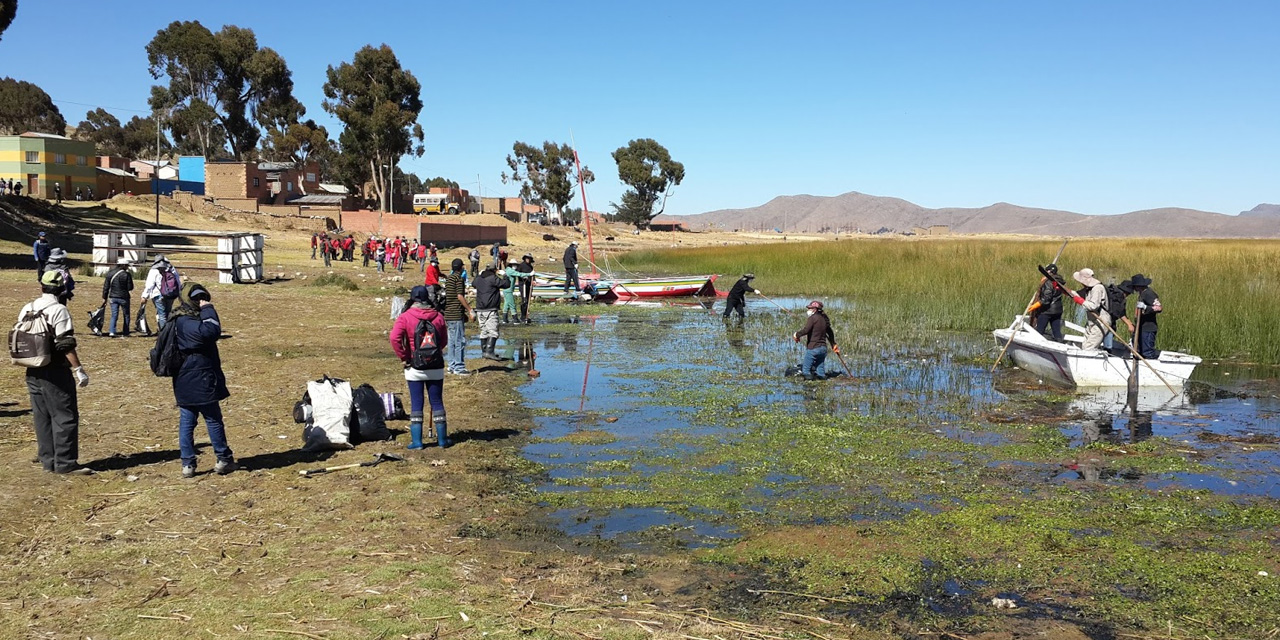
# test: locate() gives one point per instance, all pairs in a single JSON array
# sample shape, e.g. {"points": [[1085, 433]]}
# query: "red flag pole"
{"points": [[586, 213]]}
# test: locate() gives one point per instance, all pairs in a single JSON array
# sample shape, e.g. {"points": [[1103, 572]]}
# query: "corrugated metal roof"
{"points": [[36, 134], [318, 198], [275, 166], [116, 172], [329, 187]]}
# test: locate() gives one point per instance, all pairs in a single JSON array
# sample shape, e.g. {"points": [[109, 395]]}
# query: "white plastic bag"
{"points": [[330, 426]]}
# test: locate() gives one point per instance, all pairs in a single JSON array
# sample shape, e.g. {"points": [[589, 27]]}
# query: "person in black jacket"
{"points": [[737, 300], [571, 268], [489, 285], [1050, 315], [817, 334], [200, 385], [117, 290], [526, 285]]}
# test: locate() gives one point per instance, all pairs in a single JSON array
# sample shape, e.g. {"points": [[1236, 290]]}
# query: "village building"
{"points": [[40, 160]]}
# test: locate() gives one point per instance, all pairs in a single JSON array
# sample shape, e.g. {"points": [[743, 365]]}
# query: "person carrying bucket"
{"points": [[817, 335]]}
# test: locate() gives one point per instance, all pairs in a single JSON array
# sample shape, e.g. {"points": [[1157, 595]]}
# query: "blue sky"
{"points": [[1096, 107]]}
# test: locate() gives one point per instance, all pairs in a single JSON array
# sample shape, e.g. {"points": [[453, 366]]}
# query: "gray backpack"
{"points": [[31, 341]]}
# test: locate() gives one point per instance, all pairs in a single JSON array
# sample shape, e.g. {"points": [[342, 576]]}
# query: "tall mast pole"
{"points": [[586, 213]]}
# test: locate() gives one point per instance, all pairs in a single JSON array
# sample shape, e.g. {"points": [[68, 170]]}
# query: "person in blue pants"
{"points": [[419, 338]]}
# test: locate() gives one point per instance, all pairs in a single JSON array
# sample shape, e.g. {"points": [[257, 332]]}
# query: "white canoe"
{"points": [[1067, 363]]}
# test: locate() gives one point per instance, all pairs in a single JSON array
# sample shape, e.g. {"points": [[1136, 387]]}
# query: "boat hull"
{"points": [[1066, 363], [663, 287]]}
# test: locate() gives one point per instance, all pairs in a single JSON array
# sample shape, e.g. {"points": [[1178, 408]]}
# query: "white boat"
{"points": [[1067, 363]]}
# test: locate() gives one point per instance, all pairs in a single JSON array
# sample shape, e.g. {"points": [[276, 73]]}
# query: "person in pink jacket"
{"points": [[419, 337]]}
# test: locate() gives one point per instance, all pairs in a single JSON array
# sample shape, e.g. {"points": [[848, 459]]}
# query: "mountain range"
{"points": [[855, 211]]}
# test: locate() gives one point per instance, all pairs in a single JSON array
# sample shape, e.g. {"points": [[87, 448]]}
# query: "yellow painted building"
{"points": [[42, 160]]}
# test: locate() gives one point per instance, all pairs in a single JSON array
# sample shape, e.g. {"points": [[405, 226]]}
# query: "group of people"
{"points": [[1106, 306], [199, 384], [161, 288], [11, 187]]}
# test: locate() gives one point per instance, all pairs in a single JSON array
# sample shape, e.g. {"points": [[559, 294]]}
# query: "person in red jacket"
{"points": [[314, 241], [422, 257], [432, 276], [422, 323]]}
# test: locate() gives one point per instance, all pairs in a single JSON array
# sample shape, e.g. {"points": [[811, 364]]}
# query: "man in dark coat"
{"points": [[200, 385], [526, 285], [117, 291], [1049, 315], [40, 249], [738, 296], [571, 267], [816, 334], [1149, 308]]}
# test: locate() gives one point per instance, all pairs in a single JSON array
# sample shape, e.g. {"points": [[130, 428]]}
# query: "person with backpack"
{"points": [[474, 257], [58, 262], [199, 385], [54, 371], [1049, 315], [817, 334], [1149, 308], [489, 286], [419, 338], [161, 287], [1094, 300], [117, 288], [1118, 309], [456, 314]]}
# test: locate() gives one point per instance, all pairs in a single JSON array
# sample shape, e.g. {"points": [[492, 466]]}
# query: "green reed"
{"points": [[1221, 297]]}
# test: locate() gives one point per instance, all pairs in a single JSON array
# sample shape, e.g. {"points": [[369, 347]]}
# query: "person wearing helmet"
{"points": [[1050, 299], [737, 300], [817, 334]]}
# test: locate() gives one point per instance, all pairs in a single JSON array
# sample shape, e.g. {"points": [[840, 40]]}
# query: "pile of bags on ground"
{"points": [[335, 416]]}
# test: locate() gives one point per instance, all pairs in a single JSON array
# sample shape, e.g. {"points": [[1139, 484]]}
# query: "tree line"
{"points": [[223, 96]]}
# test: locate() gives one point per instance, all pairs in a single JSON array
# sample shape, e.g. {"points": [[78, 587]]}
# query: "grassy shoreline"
{"points": [[1219, 296]]}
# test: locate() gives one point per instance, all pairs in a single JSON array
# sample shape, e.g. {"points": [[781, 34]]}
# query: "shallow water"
{"points": [[613, 381]]}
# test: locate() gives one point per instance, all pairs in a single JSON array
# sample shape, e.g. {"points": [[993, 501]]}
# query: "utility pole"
{"points": [[155, 174]]}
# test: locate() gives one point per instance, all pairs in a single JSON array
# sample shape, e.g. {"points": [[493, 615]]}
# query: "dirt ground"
{"points": [[446, 544]]}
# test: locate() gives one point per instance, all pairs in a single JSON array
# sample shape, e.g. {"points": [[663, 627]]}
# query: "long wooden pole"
{"points": [[1018, 325]]}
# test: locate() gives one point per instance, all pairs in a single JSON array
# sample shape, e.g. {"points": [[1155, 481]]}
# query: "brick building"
{"points": [[263, 182]]}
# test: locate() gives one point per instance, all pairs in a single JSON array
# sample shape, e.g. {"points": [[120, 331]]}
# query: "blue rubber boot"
{"points": [[442, 430], [415, 432]]}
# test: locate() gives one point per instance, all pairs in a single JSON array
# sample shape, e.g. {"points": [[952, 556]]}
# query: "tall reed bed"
{"points": [[1221, 297]]}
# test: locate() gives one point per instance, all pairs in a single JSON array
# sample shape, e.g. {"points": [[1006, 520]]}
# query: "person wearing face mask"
{"points": [[817, 335]]}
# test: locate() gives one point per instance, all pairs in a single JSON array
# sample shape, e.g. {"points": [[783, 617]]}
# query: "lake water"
{"points": [[618, 374]]}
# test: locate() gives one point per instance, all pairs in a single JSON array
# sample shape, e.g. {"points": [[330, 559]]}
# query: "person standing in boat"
{"points": [[1148, 308], [1094, 300], [571, 268], [737, 300], [1050, 298], [817, 335]]}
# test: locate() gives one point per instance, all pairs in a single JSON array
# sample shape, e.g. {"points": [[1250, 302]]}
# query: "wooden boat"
{"points": [[679, 286], [1066, 363]]}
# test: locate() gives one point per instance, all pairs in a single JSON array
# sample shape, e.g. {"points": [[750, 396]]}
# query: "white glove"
{"points": [[82, 378], [758, 292], [1141, 305]]}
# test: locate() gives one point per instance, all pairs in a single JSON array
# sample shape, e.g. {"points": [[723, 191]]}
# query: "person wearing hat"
{"points": [[1094, 300], [117, 290], [817, 335], [489, 286], [1118, 309], [525, 281], [509, 294], [58, 262], [54, 408], [737, 300], [571, 267], [41, 250], [1149, 308], [161, 288], [431, 277], [456, 314], [1050, 299], [422, 323], [200, 386]]}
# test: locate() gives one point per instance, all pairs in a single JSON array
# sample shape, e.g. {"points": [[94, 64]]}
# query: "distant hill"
{"points": [[855, 211]]}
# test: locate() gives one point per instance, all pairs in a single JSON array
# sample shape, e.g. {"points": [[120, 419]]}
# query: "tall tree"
{"points": [[8, 9], [103, 130], [546, 175], [378, 102], [647, 168], [223, 88], [301, 143], [138, 139], [26, 107]]}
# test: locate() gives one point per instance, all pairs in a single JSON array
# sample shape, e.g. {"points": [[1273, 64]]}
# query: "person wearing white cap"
{"points": [[1095, 301], [117, 288], [571, 267], [161, 288]]}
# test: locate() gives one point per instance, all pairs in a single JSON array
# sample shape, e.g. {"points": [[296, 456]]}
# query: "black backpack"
{"points": [[166, 360], [426, 347], [1116, 305]]}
